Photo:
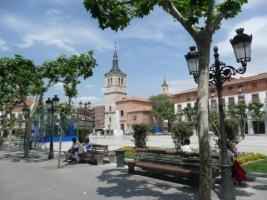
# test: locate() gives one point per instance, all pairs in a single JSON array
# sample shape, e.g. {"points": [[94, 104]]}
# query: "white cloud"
{"points": [[64, 36], [3, 45], [181, 85]]}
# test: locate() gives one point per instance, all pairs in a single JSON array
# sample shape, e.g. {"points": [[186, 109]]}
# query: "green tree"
{"points": [[257, 113], [238, 112], [163, 109], [190, 114], [231, 126], [69, 71], [180, 131], [140, 135], [200, 18], [20, 78]]}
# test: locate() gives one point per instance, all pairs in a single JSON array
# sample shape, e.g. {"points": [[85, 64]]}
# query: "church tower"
{"points": [[165, 88], [115, 89]]}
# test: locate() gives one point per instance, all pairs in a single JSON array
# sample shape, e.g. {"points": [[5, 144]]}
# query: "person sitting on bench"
{"points": [[73, 152], [87, 146], [186, 147]]}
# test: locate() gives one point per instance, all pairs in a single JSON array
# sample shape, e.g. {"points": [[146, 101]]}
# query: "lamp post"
{"points": [[51, 107], [26, 113], [219, 72]]}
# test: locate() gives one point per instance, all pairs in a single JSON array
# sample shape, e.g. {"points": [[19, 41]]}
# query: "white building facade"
{"points": [[252, 89]]}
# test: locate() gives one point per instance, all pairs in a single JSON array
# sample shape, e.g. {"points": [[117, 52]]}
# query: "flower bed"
{"points": [[245, 158], [130, 152]]}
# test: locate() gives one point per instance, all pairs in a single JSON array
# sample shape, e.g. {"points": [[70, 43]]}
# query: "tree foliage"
{"points": [[163, 109], [231, 126], [69, 71], [117, 14], [19, 78], [238, 112], [140, 135], [180, 131], [256, 111]]}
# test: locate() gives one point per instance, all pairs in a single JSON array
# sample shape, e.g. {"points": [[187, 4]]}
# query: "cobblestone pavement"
{"points": [[38, 179]]}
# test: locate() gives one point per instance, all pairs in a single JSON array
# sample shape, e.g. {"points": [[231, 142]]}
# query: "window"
{"points": [[231, 101], [134, 117], [188, 105], [122, 127], [213, 104], [179, 108], [255, 98], [122, 81], [241, 99], [110, 108], [122, 113], [109, 120]]}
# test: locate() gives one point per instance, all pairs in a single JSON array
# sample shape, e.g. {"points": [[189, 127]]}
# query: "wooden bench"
{"points": [[96, 155], [170, 163]]}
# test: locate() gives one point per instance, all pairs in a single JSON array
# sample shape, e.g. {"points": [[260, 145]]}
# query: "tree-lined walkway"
{"points": [[21, 180]]}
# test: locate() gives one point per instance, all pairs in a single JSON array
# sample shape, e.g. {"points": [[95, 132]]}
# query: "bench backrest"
{"points": [[173, 158], [100, 148]]}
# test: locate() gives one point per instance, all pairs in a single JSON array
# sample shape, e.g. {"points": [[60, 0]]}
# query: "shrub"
{"points": [[181, 131], [140, 135], [130, 152]]}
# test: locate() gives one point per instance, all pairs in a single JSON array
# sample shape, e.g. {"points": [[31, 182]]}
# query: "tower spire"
{"points": [[115, 61]]}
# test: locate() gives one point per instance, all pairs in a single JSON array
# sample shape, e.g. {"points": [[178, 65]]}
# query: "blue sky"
{"points": [[149, 49]]}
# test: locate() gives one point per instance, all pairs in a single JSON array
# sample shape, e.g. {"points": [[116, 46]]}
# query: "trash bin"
{"points": [[120, 158]]}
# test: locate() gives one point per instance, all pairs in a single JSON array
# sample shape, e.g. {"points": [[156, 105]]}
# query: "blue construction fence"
{"points": [[65, 138]]}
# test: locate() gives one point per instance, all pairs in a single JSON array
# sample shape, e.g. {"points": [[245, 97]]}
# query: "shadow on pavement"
{"points": [[17, 156], [117, 182]]}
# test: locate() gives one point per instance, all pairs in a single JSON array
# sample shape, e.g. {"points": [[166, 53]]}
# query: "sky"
{"points": [[149, 50]]}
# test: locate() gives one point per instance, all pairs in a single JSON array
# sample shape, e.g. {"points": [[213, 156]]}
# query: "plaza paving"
{"points": [[40, 179]]}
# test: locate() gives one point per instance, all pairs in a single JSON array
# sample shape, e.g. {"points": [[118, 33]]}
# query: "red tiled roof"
{"points": [[139, 99], [231, 82]]}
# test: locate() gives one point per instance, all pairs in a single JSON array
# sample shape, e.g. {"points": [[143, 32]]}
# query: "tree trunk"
{"points": [[203, 122]]}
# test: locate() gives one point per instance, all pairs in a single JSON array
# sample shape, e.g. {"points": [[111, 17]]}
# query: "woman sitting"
{"points": [[238, 173]]}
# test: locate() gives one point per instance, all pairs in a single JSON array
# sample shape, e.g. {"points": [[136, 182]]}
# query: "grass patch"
{"points": [[257, 166]]}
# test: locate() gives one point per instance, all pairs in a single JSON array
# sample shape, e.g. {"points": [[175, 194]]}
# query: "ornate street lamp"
{"points": [[219, 72], [241, 44], [26, 113], [192, 59], [51, 107]]}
